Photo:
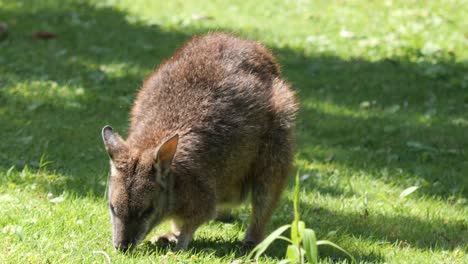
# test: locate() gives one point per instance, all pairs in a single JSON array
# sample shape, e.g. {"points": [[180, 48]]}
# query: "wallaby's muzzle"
{"points": [[124, 246], [125, 234]]}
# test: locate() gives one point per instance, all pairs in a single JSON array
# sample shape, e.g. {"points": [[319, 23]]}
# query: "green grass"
{"points": [[383, 87]]}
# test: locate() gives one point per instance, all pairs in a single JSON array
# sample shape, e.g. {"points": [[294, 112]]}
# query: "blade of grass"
{"points": [[295, 235], [408, 191], [260, 248]]}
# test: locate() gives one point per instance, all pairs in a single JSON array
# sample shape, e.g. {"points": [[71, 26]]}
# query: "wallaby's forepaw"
{"points": [[164, 240], [252, 237], [249, 244]]}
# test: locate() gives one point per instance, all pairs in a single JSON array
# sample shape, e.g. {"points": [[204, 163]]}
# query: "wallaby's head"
{"points": [[139, 187]]}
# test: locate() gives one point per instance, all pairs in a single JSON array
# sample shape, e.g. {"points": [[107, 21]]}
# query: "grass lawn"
{"points": [[383, 87]]}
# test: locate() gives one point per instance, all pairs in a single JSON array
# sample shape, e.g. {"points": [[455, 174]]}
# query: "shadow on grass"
{"points": [[234, 249], [392, 119], [223, 247], [399, 229]]}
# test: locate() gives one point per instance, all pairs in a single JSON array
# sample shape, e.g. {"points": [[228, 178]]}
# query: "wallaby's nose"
{"points": [[122, 246]]}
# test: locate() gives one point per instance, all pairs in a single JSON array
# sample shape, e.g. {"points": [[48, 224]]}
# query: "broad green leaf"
{"points": [[260, 248], [310, 245], [408, 191], [292, 253], [326, 242], [295, 254]]}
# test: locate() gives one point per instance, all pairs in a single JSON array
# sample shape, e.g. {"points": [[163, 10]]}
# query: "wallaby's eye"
{"points": [[147, 212]]}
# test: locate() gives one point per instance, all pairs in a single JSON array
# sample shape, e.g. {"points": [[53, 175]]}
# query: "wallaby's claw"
{"points": [[248, 245], [164, 240]]}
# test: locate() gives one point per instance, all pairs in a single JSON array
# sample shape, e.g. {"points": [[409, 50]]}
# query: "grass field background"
{"points": [[383, 87]]}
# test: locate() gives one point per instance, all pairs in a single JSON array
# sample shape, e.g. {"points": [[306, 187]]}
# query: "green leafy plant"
{"points": [[303, 243]]}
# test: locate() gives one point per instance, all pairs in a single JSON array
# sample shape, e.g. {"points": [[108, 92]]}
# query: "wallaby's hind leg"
{"points": [[270, 175]]}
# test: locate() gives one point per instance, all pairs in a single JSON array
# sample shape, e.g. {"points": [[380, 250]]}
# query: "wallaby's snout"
{"points": [[121, 239], [126, 231], [123, 246]]}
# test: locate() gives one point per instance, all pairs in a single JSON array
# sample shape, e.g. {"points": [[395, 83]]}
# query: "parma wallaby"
{"points": [[211, 126]]}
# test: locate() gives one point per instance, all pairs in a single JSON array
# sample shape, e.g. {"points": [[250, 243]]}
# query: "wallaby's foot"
{"points": [[164, 240], [252, 238], [178, 243], [249, 244], [170, 239], [183, 241], [224, 216]]}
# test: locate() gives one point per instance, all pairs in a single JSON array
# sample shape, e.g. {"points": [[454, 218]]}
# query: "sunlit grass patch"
{"points": [[39, 93]]}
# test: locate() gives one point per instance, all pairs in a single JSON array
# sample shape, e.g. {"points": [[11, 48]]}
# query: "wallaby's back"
{"points": [[224, 94], [212, 78]]}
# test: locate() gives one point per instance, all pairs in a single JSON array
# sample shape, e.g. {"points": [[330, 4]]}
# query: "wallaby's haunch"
{"points": [[210, 126]]}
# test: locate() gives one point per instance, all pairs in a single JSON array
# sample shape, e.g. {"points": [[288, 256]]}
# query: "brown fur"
{"points": [[220, 105]]}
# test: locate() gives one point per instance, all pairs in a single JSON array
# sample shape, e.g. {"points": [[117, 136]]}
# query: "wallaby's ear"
{"points": [[112, 141], [166, 152]]}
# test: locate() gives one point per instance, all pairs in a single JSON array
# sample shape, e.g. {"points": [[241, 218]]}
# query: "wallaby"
{"points": [[209, 127]]}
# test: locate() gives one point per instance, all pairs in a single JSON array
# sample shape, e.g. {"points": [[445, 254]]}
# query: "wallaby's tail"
{"points": [[285, 105]]}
